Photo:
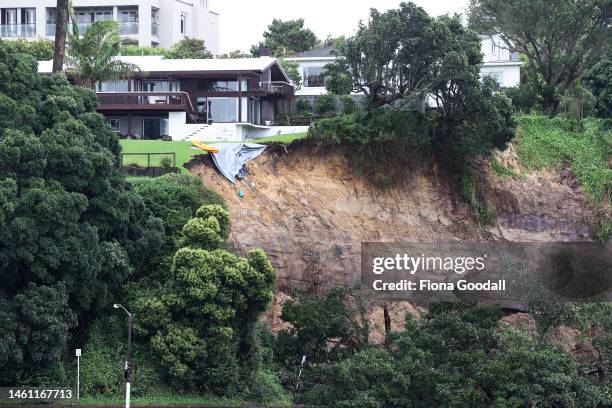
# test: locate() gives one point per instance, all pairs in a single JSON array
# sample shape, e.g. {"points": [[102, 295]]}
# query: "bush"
{"points": [[174, 198], [325, 104], [523, 97], [266, 388], [303, 106], [348, 104]]}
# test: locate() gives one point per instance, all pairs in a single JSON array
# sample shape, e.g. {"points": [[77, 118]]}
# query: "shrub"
{"points": [[348, 104], [325, 104], [174, 198], [303, 106], [266, 388]]}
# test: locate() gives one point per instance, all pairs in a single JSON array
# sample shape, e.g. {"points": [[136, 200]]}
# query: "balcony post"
{"points": [[115, 14]]}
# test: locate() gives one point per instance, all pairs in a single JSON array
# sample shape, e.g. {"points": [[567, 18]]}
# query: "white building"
{"points": [[156, 23], [499, 63]]}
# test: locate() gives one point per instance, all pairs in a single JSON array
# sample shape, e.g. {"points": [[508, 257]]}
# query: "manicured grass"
{"points": [[184, 150], [282, 138]]}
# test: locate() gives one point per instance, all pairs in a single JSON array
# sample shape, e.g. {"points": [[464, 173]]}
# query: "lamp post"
{"points": [[128, 361]]}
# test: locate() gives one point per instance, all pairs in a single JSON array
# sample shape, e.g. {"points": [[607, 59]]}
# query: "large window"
{"points": [[213, 85], [154, 127], [158, 85], [218, 109], [313, 76], [112, 86]]}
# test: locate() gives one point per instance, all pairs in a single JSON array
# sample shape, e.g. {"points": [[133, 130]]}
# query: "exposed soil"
{"points": [[310, 212]]}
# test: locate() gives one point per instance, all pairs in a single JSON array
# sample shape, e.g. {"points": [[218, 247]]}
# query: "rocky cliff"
{"points": [[310, 212]]}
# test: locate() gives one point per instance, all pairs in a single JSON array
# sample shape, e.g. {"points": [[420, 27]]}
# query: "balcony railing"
{"points": [[145, 100], [128, 27], [277, 87], [18, 30]]}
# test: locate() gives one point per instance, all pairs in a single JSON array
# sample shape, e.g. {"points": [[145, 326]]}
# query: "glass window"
{"points": [[183, 23], [112, 86], [115, 124], [212, 85], [223, 109], [156, 85], [313, 76], [244, 85]]}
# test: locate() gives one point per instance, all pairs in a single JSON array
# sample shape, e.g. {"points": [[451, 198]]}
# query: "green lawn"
{"points": [[184, 150]]}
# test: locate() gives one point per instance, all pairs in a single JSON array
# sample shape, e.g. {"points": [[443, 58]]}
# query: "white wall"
{"points": [[202, 24], [507, 75]]}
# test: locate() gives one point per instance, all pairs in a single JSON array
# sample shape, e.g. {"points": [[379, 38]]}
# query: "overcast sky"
{"points": [[244, 21]]}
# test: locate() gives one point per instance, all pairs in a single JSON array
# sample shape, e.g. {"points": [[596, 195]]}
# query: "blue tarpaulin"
{"points": [[233, 156]]}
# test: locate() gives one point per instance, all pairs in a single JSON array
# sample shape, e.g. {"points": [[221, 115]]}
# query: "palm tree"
{"points": [[92, 57]]}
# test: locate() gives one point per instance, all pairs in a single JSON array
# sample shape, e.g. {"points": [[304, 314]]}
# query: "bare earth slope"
{"points": [[310, 212]]}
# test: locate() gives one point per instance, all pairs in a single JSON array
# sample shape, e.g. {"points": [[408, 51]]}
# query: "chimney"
{"points": [[265, 51]]}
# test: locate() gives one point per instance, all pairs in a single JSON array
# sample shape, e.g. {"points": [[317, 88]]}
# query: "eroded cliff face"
{"points": [[310, 212]]}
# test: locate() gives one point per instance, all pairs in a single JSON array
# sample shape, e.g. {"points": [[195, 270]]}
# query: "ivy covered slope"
{"points": [[71, 229]]}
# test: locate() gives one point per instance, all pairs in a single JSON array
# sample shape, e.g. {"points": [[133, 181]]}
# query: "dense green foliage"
{"points": [[398, 57], [544, 142], [71, 229], [189, 48], [561, 39], [585, 146], [599, 80], [41, 50], [141, 51], [390, 58], [456, 355], [198, 320], [286, 38]]}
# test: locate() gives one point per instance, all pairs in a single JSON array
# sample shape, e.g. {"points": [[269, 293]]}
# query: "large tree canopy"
{"points": [[199, 319], [561, 39], [286, 38], [389, 58], [71, 229]]}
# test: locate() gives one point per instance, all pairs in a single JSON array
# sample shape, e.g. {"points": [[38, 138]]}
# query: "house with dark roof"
{"points": [[202, 99]]}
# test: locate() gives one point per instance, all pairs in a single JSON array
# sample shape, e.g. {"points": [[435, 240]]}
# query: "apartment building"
{"points": [[156, 23]]}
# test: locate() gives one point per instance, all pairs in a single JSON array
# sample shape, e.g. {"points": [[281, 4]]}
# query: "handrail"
{"points": [[153, 93]]}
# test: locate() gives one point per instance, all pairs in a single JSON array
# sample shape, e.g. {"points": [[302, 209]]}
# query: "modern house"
{"points": [[205, 99], [154, 23], [499, 63]]}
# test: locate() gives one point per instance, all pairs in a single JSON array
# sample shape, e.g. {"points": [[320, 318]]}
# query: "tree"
{"points": [[292, 71], [561, 39], [474, 120], [599, 80], [189, 48], [92, 56], [200, 319], [61, 27], [234, 54], [41, 50], [286, 38], [454, 355], [71, 230], [388, 59]]}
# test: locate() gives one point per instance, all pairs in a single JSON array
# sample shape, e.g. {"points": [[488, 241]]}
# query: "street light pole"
{"points": [[128, 361]]}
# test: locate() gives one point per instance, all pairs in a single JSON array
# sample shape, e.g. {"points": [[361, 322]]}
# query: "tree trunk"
{"points": [[61, 27]]}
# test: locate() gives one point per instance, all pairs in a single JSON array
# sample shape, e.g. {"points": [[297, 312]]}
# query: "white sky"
{"points": [[242, 22]]}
